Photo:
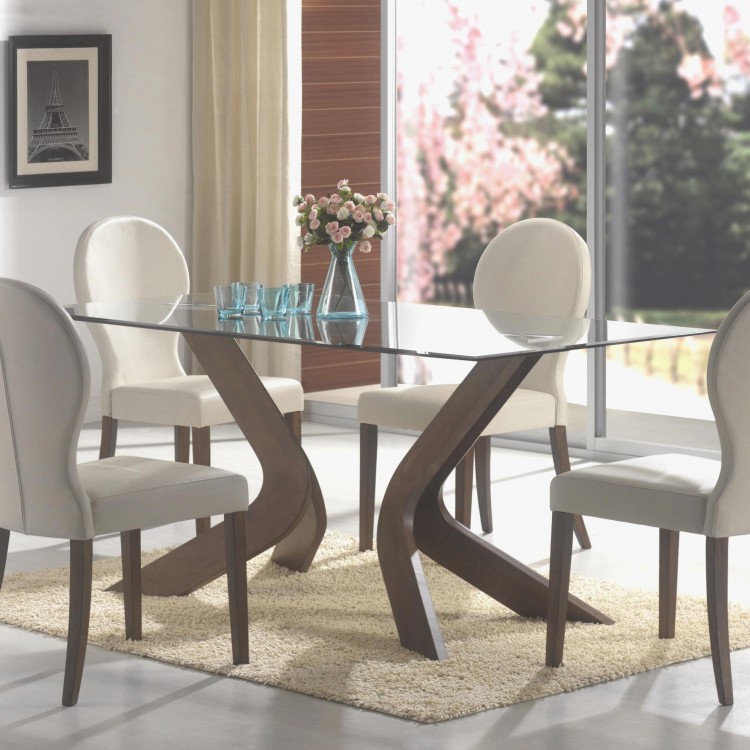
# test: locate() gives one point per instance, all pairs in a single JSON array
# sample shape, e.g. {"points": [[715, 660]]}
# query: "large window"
{"points": [[678, 195], [494, 125]]}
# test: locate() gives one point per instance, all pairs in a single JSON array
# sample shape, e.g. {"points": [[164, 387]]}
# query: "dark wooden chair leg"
{"points": [[669, 545], [717, 573], [4, 541], [109, 437], [465, 488], [482, 453], [234, 541], [558, 438], [561, 549], [81, 556], [294, 421], [130, 542], [368, 463], [182, 444], [202, 456]]}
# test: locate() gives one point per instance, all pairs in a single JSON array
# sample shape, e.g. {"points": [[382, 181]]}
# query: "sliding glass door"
{"points": [[678, 204], [630, 121]]}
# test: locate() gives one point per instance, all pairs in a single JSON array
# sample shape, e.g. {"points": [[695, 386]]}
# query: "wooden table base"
{"points": [[413, 517], [288, 513]]}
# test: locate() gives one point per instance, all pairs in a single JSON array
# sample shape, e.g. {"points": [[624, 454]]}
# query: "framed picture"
{"points": [[60, 110]]}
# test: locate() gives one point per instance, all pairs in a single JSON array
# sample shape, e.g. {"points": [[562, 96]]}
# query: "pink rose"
{"points": [[365, 246], [390, 205], [358, 215], [314, 214], [338, 238], [310, 198], [382, 197], [349, 206], [368, 217], [378, 214], [390, 219], [323, 202], [370, 199], [314, 224], [341, 183], [332, 226], [346, 231]]}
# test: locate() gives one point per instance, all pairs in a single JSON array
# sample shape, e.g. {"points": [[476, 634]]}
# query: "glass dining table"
{"points": [[289, 512]]}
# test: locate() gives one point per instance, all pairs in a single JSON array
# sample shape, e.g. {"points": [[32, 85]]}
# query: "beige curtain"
{"points": [[247, 102]]}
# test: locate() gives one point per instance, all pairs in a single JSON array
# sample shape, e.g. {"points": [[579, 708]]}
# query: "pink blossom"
{"points": [[357, 215], [370, 199], [378, 214], [346, 231], [349, 206], [323, 202], [382, 197], [332, 226], [337, 237], [314, 224], [390, 219], [367, 217], [365, 246], [314, 213], [341, 183], [310, 198], [390, 205]]}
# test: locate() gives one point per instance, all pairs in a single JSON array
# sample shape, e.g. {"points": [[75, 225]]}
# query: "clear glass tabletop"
{"points": [[392, 327]]}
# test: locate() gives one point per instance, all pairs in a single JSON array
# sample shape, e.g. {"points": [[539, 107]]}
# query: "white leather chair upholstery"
{"points": [[125, 257], [673, 493], [538, 266], [44, 385]]}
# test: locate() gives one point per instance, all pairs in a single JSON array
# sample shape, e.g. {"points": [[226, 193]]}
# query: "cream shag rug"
{"points": [[329, 633]]}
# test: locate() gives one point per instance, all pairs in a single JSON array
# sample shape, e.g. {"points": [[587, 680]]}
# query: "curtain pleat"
{"points": [[247, 104]]}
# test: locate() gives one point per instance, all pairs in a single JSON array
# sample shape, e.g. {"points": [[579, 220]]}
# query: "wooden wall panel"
{"points": [[339, 121], [354, 146], [331, 16], [351, 70], [340, 139], [336, 93], [333, 45]]}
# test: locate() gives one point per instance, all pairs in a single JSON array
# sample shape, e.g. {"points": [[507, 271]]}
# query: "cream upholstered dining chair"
{"points": [[673, 493], [125, 257], [44, 379], [536, 266]]}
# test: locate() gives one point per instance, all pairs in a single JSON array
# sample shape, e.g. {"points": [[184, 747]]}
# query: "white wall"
{"points": [[151, 173]]}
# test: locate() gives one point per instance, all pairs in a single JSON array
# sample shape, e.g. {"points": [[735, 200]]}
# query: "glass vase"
{"points": [[342, 294]]}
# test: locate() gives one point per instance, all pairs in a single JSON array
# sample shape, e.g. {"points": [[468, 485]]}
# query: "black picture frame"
{"points": [[53, 143]]}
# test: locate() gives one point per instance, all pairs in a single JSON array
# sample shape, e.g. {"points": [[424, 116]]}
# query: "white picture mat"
{"points": [[50, 54]]}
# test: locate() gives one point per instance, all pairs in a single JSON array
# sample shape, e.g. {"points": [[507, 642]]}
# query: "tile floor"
{"points": [[128, 702]]}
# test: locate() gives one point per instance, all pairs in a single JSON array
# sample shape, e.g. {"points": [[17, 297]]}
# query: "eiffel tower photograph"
{"points": [[60, 125], [57, 136]]}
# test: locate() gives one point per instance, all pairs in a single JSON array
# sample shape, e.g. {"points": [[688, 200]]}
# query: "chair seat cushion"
{"points": [[129, 492], [412, 407], [667, 491], [192, 401]]}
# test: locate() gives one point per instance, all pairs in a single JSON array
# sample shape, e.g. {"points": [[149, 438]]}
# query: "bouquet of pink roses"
{"points": [[343, 218]]}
